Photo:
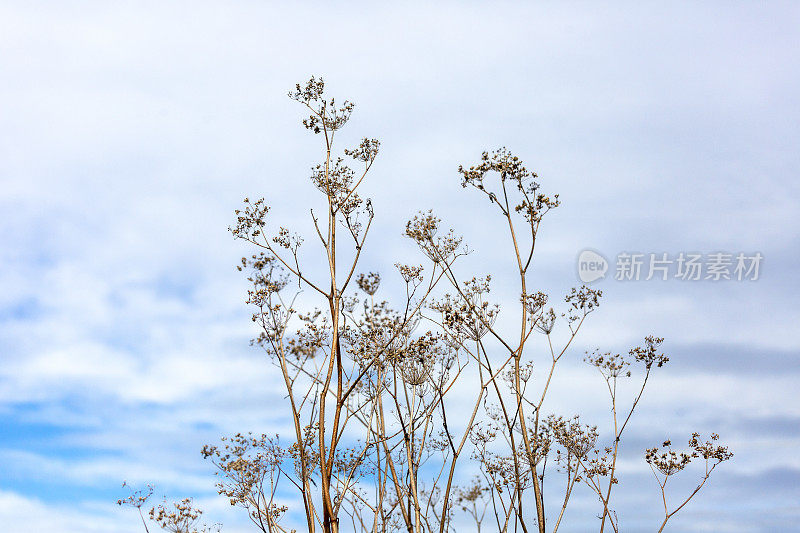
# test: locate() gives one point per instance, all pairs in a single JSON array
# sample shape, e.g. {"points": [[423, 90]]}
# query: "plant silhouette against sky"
{"points": [[419, 414]]}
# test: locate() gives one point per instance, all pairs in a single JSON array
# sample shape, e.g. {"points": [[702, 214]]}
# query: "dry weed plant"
{"points": [[393, 406]]}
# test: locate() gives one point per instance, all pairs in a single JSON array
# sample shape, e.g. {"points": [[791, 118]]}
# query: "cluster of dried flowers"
{"points": [[393, 406], [180, 517]]}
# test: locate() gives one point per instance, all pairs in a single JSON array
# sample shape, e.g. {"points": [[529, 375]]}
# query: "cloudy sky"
{"points": [[130, 131]]}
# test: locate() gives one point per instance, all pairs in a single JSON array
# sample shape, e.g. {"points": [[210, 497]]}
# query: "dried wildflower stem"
{"points": [[384, 416], [668, 463]]}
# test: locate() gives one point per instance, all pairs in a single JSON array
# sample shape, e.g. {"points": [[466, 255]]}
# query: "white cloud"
{"points": [[23, 515]]}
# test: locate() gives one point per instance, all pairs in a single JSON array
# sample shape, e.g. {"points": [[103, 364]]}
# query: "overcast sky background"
{"points": [[130, 131]]}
